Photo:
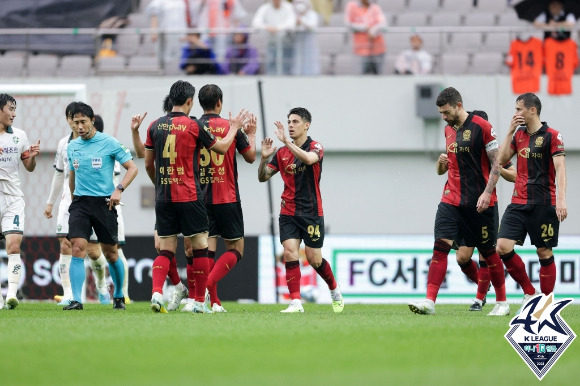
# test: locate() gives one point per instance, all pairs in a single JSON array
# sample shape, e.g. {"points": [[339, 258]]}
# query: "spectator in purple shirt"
{"points": [[241, 58]]}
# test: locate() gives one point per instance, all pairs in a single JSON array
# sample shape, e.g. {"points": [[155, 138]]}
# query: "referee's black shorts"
{"points": [[87, 213]]}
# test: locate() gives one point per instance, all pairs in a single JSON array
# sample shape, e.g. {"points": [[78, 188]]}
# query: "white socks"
{"points": [[14, 274], [63, 269], [98, 266]]}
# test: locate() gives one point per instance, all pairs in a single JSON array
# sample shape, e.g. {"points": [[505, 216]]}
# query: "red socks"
{"points": [[190, 278], [437, 268], [547, 275], [483, 282], [160, 269], [173, 274], [222, 266], [496, 273], [325, 272], [293, 276], [517, 270], [470, 270], [200, 266]]}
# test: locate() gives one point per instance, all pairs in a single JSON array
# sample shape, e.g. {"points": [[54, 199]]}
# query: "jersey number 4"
{"points": [[169, 149]]}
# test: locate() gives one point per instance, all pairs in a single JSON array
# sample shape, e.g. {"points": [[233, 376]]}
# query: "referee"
{"points": [[92, 158]]}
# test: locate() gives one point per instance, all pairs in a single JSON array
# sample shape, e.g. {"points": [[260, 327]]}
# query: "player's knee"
{"points": [[544, 253], [168, 254], [290, 255], [503, 249]]}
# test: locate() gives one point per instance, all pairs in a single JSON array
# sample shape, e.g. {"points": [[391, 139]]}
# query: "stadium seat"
{"points": [[326, 64], [433, 42], [411, 19], [346, 64], [143, 65], [127, 44], [510, 19], [392, 6], [115, 64], [428, 6], [497, 41], [445, 19], [466, 42], [487, 63], [331, 43], [144, 3], [147, 47], [139, 20], [389, 64], [462, 6], [75, 65], [453, 63], [252, 5], [496, 6], [398, 41], [477, 19], [42, 65], [336, 20], [11, 65]]}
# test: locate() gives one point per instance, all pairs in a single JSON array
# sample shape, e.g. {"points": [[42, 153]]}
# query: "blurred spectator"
{"points": [[305, 48], [324, 8], [220, 14], [170, 17], [106, 50], [415, 61], [241, 58], [367, 21], [556, 16], [278, 19], [197, 58]]}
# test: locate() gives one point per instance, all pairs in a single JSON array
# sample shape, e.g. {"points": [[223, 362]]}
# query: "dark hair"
{"points": [[302, 113], [530, 100], [480, 113], [209, 95], [5, 99], [99, 124], [180, 92], [449, 96], [69, 109], [167, 105], [83, 109]]}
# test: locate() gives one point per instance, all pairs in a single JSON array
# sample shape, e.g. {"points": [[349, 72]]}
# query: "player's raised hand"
{"points": [[280, 132], [137, 120], [267, 149], [34, 149], [251, 125], [240, 119]]}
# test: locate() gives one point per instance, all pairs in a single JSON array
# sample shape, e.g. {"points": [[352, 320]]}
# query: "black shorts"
{"points": [[307, 228], [459, 223], [538, 221], [226, 220], [461, 243], [187, 218], [87, 213]]}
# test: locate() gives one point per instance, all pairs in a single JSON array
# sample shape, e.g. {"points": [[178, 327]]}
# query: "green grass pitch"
{"points": [[256, 345]]}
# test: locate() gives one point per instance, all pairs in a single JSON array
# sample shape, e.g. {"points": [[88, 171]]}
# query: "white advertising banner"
{"points": [[393, 269]]}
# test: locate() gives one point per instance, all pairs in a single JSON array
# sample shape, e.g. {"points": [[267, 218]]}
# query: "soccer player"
{"points": [[301, 215], [91, 161], [100, 126], [171, 160], [14, 147], [466, 208], [537, 207], [219, 184], [463, 254], [60, 183]]}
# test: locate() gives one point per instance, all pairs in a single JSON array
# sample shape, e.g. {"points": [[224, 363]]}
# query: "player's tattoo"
{"points": [[264, 172], [494, 174]]}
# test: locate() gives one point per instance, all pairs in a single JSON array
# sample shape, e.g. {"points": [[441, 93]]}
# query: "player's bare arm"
{"points": [[136, 121], [30, 162], [442, 164], [150, 164], [308, 157], [485, 198], [509, 174], [250, 130], [560, 166], [222, 145], [71, 183], [132, 171], [264, 171]]}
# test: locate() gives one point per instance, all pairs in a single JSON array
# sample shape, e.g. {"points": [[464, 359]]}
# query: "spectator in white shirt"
{"points": [[415, 61]]}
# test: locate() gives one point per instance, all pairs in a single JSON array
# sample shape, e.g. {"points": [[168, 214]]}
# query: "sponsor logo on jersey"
{"points": [[524, 153], [97, 163]]}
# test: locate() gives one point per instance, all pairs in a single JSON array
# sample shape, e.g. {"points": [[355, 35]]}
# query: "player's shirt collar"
{"points": [[9, 130]]}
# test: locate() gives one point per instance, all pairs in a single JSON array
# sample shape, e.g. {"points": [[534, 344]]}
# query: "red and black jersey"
{"points": [[218, 174], [536, 179], [176, 140], [301, 196], [469, 165]]}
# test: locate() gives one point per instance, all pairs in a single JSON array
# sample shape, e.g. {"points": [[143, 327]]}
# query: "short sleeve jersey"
{"points": [[536, 178], [469, 165], [218, 174], [15, 145], [176, 140], [61, 164], [301, 195], [526, 61], [561, 60], [93, 161]]}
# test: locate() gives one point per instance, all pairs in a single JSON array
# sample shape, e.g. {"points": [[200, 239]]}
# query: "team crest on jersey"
{"points": [[97, 163], [452, 148], [539, 334], [76, 164], [446, 192], [539, 141], [524, 153], [124, 148], [467, 135], [15, 140], [59, 228], [290, 169]]}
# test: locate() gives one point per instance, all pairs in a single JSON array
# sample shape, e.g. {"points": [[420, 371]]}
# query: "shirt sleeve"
{"points": [[68, 154], [58, 158], [24, 146], [318, 149], [120, 152], [206, 138], [242, 142], [489, 136], [149, 143], [273, 164], [557, 145], [513, 144]]}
